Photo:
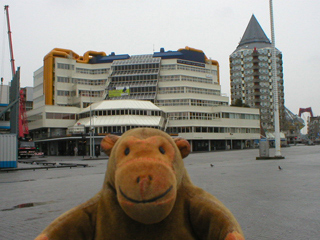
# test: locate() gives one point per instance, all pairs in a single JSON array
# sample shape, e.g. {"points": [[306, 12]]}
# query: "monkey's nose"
{"points": [[147, 178]]}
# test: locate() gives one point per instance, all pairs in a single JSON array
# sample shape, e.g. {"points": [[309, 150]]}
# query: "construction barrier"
{"points": [[8, 151]]}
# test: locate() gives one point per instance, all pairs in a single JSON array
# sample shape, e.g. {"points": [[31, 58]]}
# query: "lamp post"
{"points": [[93, 132], [275, 87], [90, 130], [90, 134]]}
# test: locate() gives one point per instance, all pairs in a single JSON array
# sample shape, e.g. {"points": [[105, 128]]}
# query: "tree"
{"points": [[239, 103]]}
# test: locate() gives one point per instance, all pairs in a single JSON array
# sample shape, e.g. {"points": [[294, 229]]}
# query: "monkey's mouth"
{"points": [[148, 200]]}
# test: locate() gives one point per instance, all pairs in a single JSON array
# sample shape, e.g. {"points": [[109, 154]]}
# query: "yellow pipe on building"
{"points": [[48, 62], [88, 55], [48, 67]]}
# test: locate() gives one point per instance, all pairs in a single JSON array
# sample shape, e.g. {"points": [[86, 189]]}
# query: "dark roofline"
{"points": [[184, 54], [253, 34]]}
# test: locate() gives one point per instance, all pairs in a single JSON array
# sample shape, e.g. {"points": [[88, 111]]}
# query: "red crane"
{"points": [[26, 146], [23, 124]]}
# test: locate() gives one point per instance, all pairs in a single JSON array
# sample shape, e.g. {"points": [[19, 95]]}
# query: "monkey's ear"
{"points": [[108, 142], [183, 146]]}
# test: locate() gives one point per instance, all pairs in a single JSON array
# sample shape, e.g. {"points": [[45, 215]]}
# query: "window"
{"points": [[63, 93], [65, 66], [92, 71], [63, 79]]}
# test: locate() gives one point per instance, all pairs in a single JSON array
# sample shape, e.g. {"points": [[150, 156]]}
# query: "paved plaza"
{"points": [[270, 204]]}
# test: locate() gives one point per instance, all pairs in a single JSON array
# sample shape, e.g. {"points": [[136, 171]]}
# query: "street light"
{"points": [[90, 130], [231, 134], [93, 141]]}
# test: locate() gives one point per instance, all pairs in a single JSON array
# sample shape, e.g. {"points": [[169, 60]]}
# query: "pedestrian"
{"points": [[97, 151], [75, 151]]}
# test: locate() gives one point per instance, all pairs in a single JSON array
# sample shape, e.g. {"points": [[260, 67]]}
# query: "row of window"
{"points": [[248, 52], [261, 87], [65, 116], [118, 112], [265, 104], [240, 116], [265, 117], [252, 94], [118, 129], [136, 72], [82, 81], [96, 82], [170, 90], [65, 66], [237, 79], [137, 59], [251, 71], [192, 116], [112, 85], [92, 71], [212, 130], [135, 78], [136, 66], [69, 104], [66, 93], [134, 90], [244, 61], [35, 117], [188, 68], [88, 93], [176, 78], [171, 116], [196, 69], [140, 96], [190, 102]]}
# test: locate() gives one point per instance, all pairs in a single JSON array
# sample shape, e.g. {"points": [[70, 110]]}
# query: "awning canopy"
{"points": [[122, 104], [123, 120]]}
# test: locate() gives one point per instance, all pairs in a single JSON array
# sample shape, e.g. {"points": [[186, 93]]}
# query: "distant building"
{"points": [[4, 102], [314, 129], [251, 74], [28, 95], [183, 85], [294, 124]]}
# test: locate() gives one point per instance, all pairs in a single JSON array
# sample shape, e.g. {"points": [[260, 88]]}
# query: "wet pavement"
{"points": [[269, 203]]}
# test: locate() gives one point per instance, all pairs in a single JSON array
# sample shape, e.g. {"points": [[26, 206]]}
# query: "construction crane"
{"points": [[13, 67], [26, 146]]}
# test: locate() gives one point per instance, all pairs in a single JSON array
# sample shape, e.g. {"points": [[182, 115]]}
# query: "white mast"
{"points": [[275, 87]]}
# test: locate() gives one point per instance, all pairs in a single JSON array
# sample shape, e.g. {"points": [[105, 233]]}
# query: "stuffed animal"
{"points": [[147, 194]]}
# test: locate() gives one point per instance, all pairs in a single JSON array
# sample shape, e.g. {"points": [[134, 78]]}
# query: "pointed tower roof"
{"points": [[254, 36]]}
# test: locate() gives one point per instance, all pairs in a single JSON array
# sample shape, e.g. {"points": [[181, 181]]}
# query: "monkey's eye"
{"points": [[162, 150], [126, 151]]}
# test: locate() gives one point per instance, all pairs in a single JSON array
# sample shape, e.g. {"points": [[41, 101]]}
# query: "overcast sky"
{"points": [[143, 26]]}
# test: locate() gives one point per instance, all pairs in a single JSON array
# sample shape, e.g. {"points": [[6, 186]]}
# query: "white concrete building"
{"points": [[180, 89]]}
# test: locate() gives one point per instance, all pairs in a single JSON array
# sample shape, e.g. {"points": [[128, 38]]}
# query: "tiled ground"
{"points": [[269, 204]]}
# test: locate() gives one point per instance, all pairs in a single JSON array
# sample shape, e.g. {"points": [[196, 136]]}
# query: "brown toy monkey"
{"points": [[147, 194]]}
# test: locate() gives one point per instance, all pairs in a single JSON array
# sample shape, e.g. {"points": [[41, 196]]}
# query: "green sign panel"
{"points": [[119, 92]]}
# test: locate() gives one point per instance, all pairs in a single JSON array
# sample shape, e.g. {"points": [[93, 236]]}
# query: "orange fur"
{"points": [[146, 194], [234, 236]]}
